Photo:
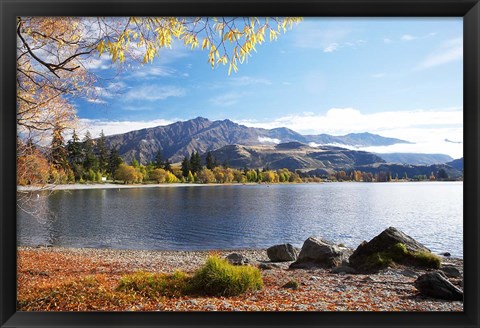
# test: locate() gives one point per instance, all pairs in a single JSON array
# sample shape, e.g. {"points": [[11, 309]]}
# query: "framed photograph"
{"points": [[223, 163]]}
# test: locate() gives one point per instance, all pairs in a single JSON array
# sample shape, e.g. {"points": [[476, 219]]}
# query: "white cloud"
{"points": [[115, 127], [387, 40], [314, 37], [248, 80], [96, 101], [153, 92], [98, 63], [378, 75], [331, 47], [409, 37], [269, 140], [143, 72], [426, 128], [227, 99], [451, 50]]}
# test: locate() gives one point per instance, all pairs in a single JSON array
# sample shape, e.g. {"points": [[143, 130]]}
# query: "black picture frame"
{"points": [[468, 9]]}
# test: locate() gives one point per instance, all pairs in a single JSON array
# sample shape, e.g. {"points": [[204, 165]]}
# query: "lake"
{"points": [[245, 216]]}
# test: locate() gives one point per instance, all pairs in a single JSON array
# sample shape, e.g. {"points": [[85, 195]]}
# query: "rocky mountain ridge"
{"points": [[178, 139]]}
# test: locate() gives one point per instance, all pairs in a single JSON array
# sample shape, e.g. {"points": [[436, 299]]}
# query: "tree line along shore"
{"points": [[89, 161]]}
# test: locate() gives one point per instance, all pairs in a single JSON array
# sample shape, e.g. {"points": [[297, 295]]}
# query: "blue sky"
{"points": [[394, 77]]}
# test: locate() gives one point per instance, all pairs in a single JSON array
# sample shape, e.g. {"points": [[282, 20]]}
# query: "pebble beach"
{"points": [[43, 270]]}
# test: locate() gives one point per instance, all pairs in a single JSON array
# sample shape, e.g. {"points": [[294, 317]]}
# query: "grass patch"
{"points": [[427, 260], [85, 294], [220, 278], [216, 277], [155, 284]]}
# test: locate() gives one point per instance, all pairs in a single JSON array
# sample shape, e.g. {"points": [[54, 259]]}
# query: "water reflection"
{"points": [[241, 216]]}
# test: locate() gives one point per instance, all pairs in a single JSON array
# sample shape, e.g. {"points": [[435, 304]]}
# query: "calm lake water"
{"points": [[246, 216]]}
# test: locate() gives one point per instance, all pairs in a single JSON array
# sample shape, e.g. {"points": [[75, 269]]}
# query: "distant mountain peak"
{"points": [[201, 135], [200, 119]]}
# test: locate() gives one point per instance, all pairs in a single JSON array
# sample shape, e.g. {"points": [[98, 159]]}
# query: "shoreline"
{"points": [[71, 279], [177, 251], [76, 186], [121, 186]]}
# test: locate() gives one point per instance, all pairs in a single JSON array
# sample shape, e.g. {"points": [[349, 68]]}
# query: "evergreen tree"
{"points": [[167, 166], [114, 161], [210, 161], [89, 161], [75, 156], [59, 155], [102, 153], [158, 160], [195, 162], [74, 149], [185, 166]]}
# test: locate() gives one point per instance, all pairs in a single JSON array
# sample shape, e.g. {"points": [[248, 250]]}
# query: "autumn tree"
{"points": [[206, 176], [128, 174], [53, 53]]}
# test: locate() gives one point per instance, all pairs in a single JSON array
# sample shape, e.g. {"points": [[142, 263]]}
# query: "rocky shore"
{"points": [[42, 271]]}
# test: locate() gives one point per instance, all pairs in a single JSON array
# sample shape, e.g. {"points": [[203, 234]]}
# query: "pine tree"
{"points": [[74, 149], [102, 153], [158, 160], [195, 162], [210, 161], [59, 155], [185, 166], [90, 161], [167, 166], [114, 161]]}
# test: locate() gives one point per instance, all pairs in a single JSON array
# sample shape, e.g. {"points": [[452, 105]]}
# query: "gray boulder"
{"points": [[282, 253], [237, 259], [361, 259], [343, 269], [321, 253], [451, 271], [435, 284]]}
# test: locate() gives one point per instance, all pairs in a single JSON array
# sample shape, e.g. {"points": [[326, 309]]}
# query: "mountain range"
{"points": [[241, 146], [179, 139]]}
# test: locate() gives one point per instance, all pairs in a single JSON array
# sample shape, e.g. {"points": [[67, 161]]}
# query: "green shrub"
{"points": [[218, 277], [155, 284]]}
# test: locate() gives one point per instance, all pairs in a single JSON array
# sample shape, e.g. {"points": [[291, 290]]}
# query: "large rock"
{"points": [[282, 253], [361, 259], [237, 259], [435, 284], [322, 253]]}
